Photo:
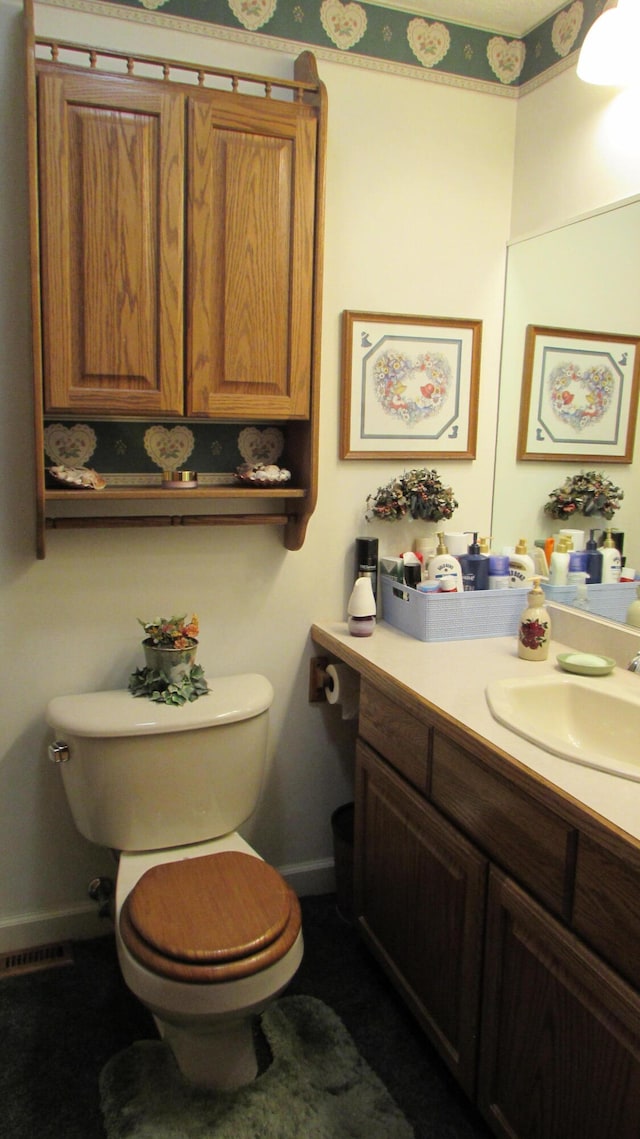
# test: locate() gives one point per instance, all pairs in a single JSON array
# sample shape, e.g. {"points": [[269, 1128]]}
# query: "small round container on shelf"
{"points": [[179, 480]]}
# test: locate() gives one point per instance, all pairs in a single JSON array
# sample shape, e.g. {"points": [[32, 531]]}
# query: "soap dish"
{"points": [[586, 664]]}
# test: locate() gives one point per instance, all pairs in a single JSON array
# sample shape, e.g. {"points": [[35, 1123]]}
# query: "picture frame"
{"points": [[409, 386], [579, 396]]}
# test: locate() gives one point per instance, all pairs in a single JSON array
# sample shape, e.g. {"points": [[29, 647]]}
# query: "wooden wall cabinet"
{"points": [[111, 200], [526, 987], [177, 232]]}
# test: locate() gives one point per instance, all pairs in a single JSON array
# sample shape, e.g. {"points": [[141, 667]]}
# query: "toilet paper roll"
{"points": [[343, 689]]}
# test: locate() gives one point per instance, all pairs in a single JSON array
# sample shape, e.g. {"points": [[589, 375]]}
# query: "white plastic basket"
{"points": [[452, 616], [604, 600]]}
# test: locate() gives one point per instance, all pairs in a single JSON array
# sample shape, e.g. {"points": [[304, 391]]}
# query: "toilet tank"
{"points": [[144, 776]]}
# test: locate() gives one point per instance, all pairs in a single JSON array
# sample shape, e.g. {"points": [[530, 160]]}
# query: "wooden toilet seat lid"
{"points": [[210, 918]]}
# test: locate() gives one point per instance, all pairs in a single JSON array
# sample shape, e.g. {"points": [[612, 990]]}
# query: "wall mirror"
{"points": [[582, 275]]}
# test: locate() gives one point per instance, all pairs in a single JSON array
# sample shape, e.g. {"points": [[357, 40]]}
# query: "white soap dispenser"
{"points": [[534, 633]]}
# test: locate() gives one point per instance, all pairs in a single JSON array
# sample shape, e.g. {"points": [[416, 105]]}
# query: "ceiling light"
{"points": [[609, 53]]}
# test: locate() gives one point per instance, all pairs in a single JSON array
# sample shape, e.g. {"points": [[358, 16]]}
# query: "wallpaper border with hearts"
{"points": [[128, 452], [369, 35]]}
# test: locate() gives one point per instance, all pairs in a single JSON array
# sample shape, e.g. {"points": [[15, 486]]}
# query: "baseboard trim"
{"points": [[308, 878], [78, 923]]}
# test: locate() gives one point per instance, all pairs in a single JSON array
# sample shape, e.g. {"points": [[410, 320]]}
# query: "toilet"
{"points": [[207, 933]]}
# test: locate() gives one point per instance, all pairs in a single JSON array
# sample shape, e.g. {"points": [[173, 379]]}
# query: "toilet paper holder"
{"points": [[319, 680]]}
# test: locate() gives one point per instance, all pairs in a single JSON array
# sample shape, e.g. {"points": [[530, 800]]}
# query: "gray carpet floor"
{"points": [[60, 1026]]}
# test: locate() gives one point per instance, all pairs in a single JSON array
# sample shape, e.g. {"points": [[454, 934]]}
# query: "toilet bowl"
{"points": [[207, 933], [207, 1021]]}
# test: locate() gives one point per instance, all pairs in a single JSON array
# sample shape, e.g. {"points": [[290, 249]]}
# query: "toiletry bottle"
{"points": [[521, 567], [445, 565], [448, 585], [475, 567], [549, 547], [367, 561], [535, 626], [499, 571], [611, 561], [593, 564], [633, 612], [539, 559], [559, 567], [411, 568], [581, 599], [577, 566]]}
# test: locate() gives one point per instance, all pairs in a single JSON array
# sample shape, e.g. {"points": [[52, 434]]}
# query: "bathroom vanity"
{"points": [[498, 886]]}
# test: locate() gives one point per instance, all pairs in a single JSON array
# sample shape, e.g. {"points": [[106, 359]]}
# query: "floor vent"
{"points": [[38, 957]]}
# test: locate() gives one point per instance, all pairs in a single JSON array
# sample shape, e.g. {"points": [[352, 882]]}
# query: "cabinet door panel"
{"points": [[251, 243], [529, 840], [399, 737], [606, 904], [420, 891], [560, 1050], [112, 204]]}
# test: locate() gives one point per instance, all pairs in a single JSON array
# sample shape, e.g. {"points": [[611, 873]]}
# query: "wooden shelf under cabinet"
{"points": [[131, 493]]}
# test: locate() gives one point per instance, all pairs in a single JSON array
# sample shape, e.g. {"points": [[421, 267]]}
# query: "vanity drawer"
{"points": [[399, 737], [606, 907], [528, 840]]}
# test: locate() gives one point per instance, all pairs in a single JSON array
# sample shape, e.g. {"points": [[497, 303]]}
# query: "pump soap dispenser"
{"points": [[535, 626]]}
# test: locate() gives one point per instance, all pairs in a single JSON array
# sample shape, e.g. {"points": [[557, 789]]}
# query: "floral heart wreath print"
{"points": [[411, 390], [578, 398]]}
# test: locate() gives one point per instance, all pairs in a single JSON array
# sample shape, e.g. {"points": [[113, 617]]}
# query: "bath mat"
{"points": [[316, 1087]]}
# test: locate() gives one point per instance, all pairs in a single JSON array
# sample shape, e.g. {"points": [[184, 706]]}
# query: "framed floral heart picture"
{"points": [[409, 386], [579, 396]]}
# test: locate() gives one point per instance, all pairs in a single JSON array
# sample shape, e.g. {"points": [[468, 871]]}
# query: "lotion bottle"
{"points": [[594, 560], [521, 567], [475, 567], [443, 564], [559, 564], [611, 560], [534, 633]]}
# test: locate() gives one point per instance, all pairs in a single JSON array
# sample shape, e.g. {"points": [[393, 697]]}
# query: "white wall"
{"points": [[577, 148], [418, 213]]}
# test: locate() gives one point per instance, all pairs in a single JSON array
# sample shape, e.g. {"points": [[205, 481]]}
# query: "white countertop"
{"points": [[453, 675]]}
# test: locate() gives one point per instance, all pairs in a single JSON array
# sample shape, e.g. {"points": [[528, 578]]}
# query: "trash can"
{"points": [[342, 826]]}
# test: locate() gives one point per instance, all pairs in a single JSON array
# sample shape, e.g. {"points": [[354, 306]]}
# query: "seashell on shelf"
{"points": [[78, 478], [260, 475]]}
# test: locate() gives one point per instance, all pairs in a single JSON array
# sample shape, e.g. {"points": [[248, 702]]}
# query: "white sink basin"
{"points": [[592, 721]]}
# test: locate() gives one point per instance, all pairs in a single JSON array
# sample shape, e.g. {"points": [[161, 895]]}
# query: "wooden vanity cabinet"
{"points": [[560, 1055], [421, 898], [509, 927]]}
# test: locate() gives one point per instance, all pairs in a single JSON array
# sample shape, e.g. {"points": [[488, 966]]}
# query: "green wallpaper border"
{"points": [[370, 35]]}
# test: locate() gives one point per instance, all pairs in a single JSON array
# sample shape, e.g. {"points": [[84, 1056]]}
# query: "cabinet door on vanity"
{"points": [[560, 1049], [420, 895], [111, 199], [251, 216]]}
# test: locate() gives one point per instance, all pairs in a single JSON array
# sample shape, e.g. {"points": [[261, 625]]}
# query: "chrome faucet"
{"points": [[634, 663]]}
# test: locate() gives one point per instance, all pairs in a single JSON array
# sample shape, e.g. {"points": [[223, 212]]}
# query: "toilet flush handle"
{"points": [[59, 752]]}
